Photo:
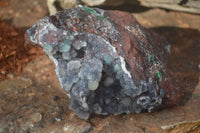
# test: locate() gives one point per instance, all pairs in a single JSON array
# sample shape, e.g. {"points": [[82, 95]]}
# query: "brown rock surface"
{"points": [[183, 127], [14, 53], [23, 13]]}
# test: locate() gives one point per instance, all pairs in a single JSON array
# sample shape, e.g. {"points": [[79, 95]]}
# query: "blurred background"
{"points": [[31, 99]]}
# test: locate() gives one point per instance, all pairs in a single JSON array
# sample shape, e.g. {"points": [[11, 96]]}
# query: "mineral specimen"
{"points": [[106, 61]]}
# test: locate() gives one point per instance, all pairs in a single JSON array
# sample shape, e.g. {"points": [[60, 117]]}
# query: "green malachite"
{"points": [[117, 68], [65, 47], [108, 59], [153, 59], [159, 74], [87, 9], [48, 47]]}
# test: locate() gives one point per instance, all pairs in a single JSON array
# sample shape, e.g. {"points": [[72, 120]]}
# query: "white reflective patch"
{"points": [[123, 66]]}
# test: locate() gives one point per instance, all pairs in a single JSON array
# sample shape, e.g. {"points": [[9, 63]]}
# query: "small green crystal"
{"points": [[101, 17], [48, 47], [153, 59], [116, 68], [159, 74], [67, 42], [65, 47], [108, 59], [87, 9]]}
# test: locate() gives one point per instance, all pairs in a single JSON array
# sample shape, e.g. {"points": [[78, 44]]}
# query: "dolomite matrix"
{"points": [[106, 61]]}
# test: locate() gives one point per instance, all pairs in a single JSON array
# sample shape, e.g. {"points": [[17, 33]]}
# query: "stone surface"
{"points": [[17, 83], [25, 107], [77, 126], [42, 67], [191, 6], [12, 51], [184, 127], [93, 2], [168, 19], [18, 12], [107, 62]]}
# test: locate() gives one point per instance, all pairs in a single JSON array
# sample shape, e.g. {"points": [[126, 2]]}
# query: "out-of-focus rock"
{"points": [[29, 120], [77, 126], [191, 6], [14, 84], [20, 12], [10, 76], [36, 117], [42, 67], [56, 5], [183, 127], [26, 108], [107, 62], [93, 2]]}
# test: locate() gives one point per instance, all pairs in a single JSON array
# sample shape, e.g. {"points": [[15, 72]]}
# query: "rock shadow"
{"points": [[131, 8], [185, 56]]}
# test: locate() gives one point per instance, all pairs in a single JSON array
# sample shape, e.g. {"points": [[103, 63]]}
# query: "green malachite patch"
{"points": [[157, 75], [108, 59], [67, 42], [116, 68], [87, 9], [48, 47], [100, 17], [65, 47], [153, 59]]}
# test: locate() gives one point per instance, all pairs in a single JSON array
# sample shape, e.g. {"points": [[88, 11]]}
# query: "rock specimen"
{"points": [[106, 61]]}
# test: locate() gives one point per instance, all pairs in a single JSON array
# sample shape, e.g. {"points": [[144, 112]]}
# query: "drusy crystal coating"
{"points": [[106, 61]]}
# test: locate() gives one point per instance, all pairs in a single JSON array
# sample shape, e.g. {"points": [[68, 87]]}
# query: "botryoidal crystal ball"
{"points": [[106, 61]]}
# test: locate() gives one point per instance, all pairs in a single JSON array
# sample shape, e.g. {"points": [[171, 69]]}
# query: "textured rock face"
{"points": [[106, 61]]}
